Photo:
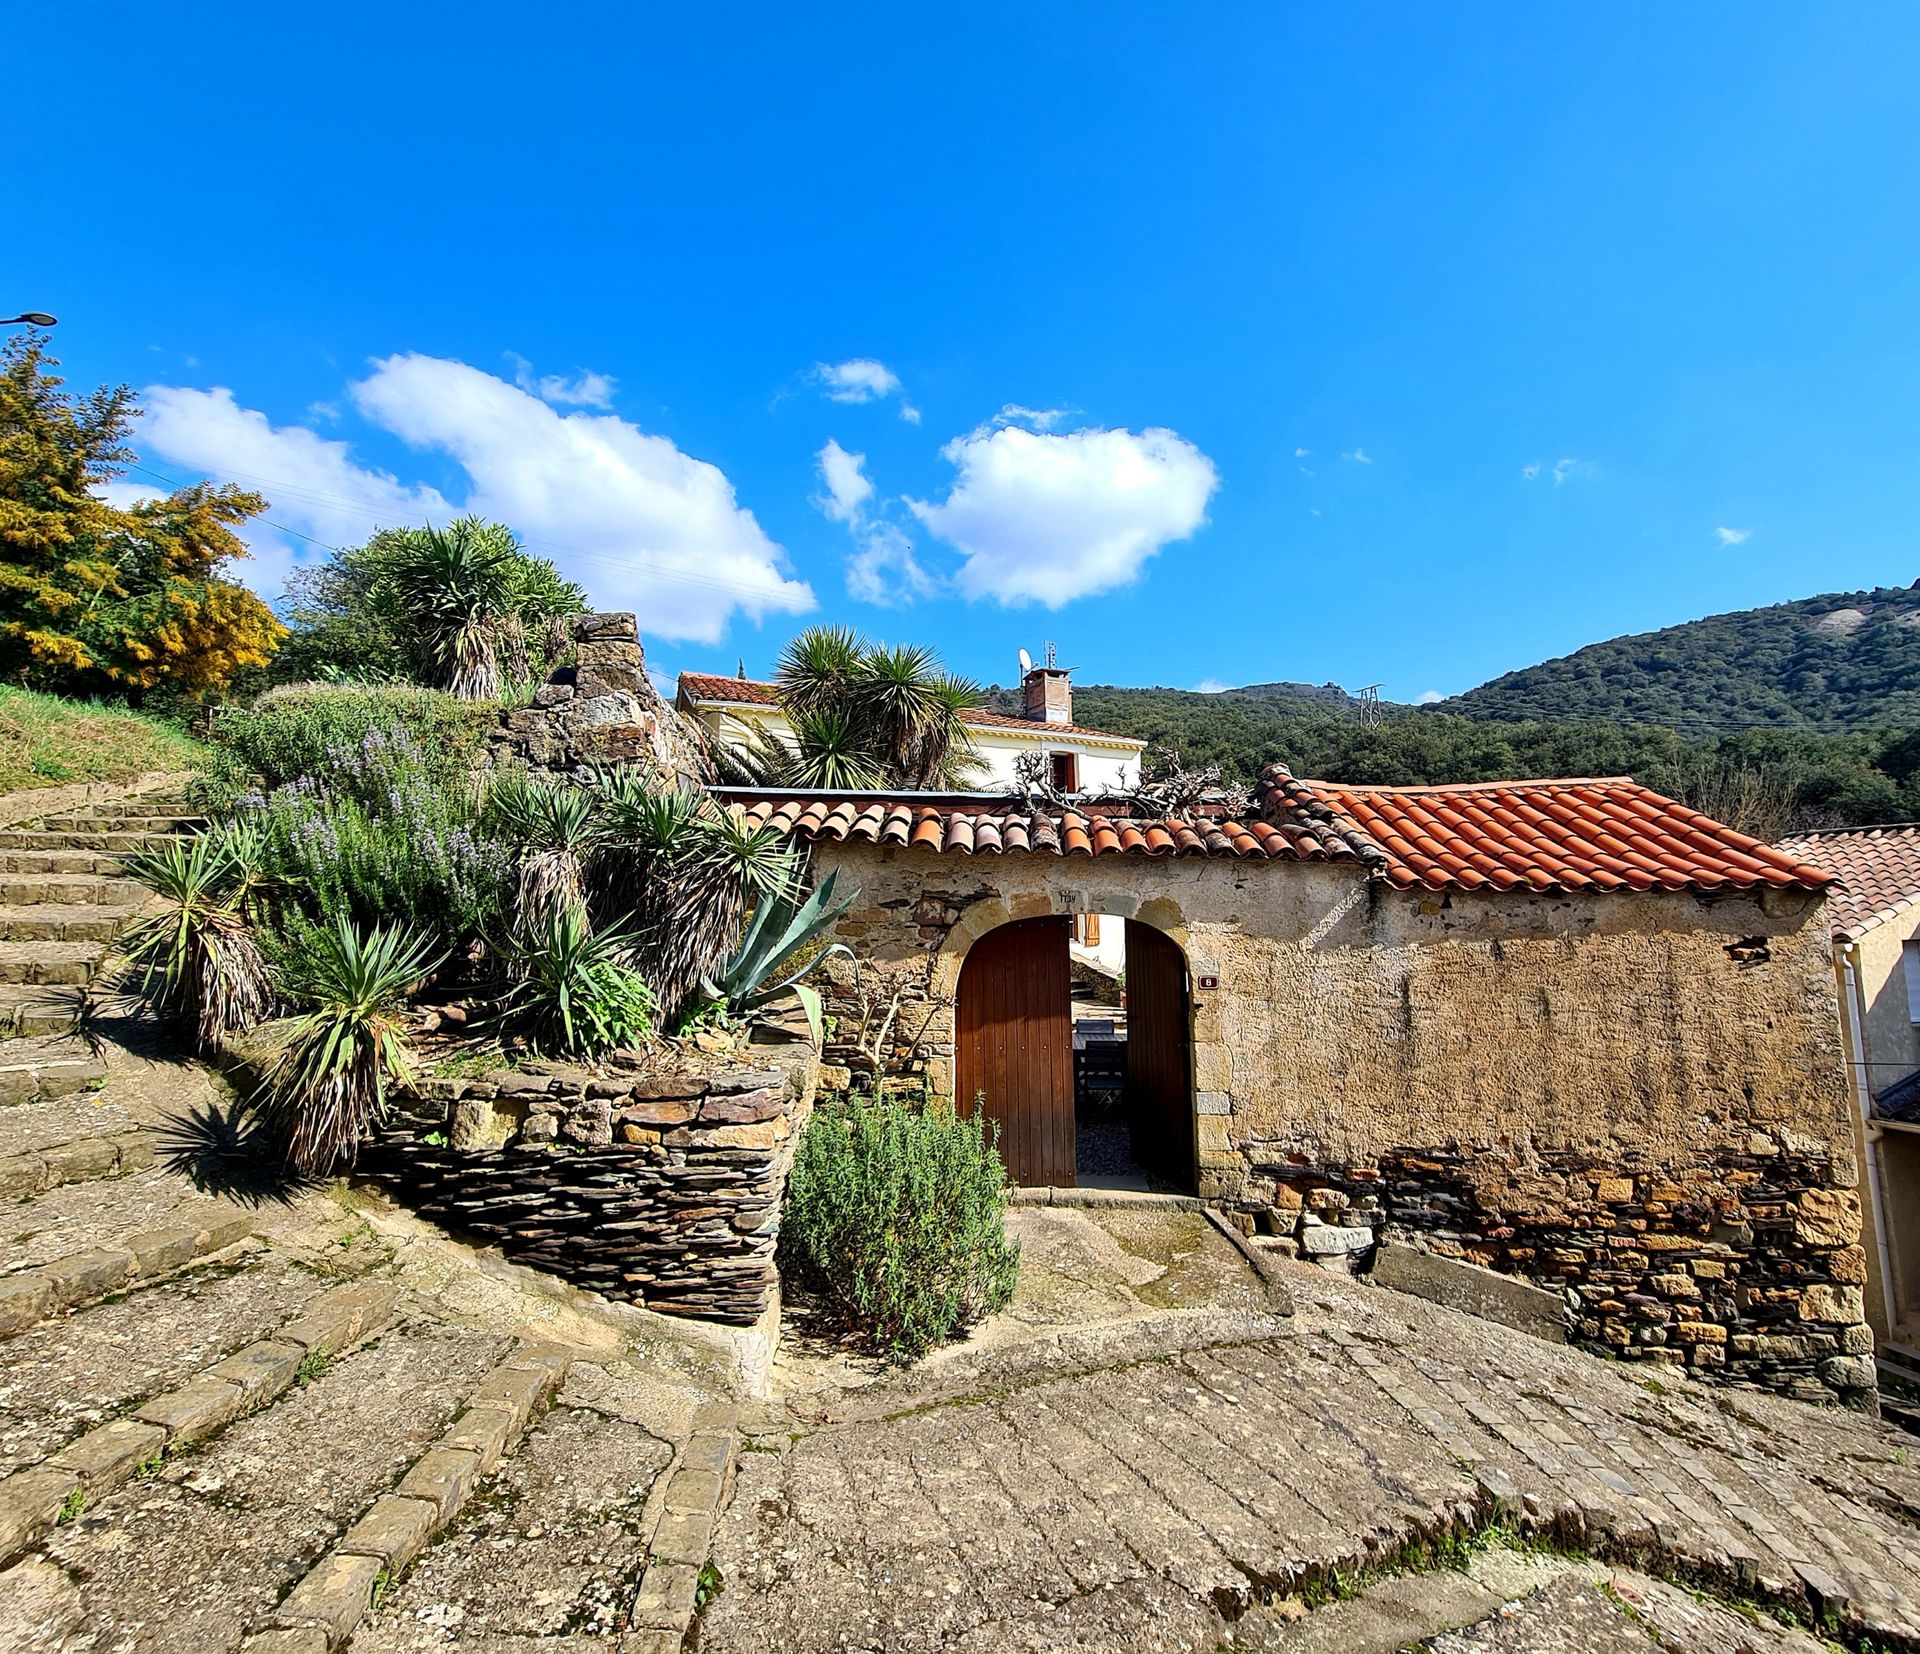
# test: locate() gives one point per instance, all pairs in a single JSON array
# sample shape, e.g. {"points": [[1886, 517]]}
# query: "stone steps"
{"points": [[95, 821], [78, 1160], [68, 890], [33, 1500], [49, 962], [64, 922], [192, 1557], [38, 1008], [42, 862], [323, 1610], [35, 1072], [63, 1283], [69, 838]]}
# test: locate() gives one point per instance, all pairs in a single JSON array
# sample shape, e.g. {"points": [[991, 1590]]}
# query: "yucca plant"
{"points": [[556, 829], [327, 1090], [784, 929], [196, 962], [456, 585], [578, 993]]}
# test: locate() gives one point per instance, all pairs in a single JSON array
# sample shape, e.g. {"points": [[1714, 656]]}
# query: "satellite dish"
{"points": [[1026, 661]]}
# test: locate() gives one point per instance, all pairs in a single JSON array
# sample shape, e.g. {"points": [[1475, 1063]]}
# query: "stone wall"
{"points": [[1581, 1089], [655, 1182], [603, 709]]}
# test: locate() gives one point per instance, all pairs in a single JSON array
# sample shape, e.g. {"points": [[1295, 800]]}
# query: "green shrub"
{"points": [[48, 739], [577, 992], [320, 730], [896, 1219]]}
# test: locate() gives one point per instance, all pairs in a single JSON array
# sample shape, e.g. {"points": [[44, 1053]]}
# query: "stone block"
{"points": [[24, 1299], [683, 1536], [396, 1530], [744, 1108], [22, 1174], [522, 1388], [30, 1504], [337, 1317], [159, 1251], [85, 1158], [1212, 1102], [1475, 1291], [666, 1597], [136, 1150], [658, 1113], [442, 1476], [262, 1370], [109, 1455], [335, 1595], [1331, 1240], [694, 1491], [297, 1639], [1832, 1303], [483, 1430], [1614, 1191], [194, 1410], [1849, 1372], [88, 1274], [217, 1237], [1827, 1217]]}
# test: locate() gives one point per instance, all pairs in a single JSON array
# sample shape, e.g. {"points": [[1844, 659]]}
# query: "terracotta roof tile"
{"points": [[711, 686], [1609, 834], [1878, 870]]}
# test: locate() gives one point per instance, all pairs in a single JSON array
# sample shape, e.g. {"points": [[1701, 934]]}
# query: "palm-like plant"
{"points": [[578, 992], [556, 829], [196, 961], [867, 716], [456, 585], [327, 1090]]}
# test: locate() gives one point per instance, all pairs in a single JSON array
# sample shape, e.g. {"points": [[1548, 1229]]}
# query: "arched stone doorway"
{"points": [[1014, 1050]]}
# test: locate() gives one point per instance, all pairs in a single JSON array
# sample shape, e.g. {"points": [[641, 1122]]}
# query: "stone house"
{"points": [[1874, 916], [1567, 1029]]}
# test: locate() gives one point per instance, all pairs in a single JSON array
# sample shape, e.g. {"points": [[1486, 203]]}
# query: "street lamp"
{"points": [[33, 318]]}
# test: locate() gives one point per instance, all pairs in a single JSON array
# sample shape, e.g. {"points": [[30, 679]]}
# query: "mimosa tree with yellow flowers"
{"points": [[98, 598]]}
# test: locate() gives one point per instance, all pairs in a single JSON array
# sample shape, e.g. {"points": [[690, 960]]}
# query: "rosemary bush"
{"points": [[895, 1219]]}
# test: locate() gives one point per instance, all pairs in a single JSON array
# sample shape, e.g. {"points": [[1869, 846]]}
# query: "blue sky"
{"points": [[1398, 344]]}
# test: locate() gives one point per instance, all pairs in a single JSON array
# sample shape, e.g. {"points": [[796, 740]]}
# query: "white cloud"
{"points": [[861, 379], [1561, 471], [1035, 419], [640, 524], [884, 570], [124, 496], [1046, 517], [1733, 536], [1301, 453], [882, 567], [1428, 697], [1211, 686], [586, 389], [848, 486], [1359, 456]]}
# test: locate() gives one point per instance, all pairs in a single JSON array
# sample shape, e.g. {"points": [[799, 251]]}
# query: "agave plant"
{"points": [[196, 961], [327, 1090], [578, 992], [557, 829], [785, 928]]}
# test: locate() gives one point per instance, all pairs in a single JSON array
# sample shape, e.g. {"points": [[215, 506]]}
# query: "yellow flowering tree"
{"points": [[96, 597]]}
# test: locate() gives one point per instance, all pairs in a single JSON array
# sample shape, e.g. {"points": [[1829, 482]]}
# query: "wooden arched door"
{"points": [[1014, 1046], [1159, 1055]]}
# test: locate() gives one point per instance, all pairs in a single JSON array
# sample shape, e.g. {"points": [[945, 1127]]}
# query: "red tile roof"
{"points": [[709, 686], [1878, 867], [1541, 835]]}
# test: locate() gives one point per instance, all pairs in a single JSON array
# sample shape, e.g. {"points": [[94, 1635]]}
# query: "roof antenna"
{"points": [[1053, 657], [740, 671]]}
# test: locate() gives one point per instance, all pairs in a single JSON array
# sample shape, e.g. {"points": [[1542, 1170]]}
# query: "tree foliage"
{"points": [[98, 597], [462, 607]]}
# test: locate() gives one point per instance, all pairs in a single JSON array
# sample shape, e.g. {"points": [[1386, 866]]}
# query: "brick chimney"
{"points": [[1046, 695]]}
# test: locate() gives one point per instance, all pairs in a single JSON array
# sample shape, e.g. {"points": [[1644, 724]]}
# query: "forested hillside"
{"points": [[1847, 660]]}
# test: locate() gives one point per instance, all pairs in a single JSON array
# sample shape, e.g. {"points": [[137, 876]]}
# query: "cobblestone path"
{"points": [[1160, 1505]]}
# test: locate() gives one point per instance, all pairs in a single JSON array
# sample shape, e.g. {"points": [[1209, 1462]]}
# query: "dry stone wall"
{"points": [[658, 1185]]}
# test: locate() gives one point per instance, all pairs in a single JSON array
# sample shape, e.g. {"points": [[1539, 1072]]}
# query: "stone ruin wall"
{"points": [[601, 709], [658, 1185], [1636, 1099]]}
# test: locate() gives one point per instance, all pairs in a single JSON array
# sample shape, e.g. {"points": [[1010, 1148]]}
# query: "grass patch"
{"points": [[46, 741]]}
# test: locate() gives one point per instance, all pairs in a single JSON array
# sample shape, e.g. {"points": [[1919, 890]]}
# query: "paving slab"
{"points": [[553, 1545], [189, 1558]]}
